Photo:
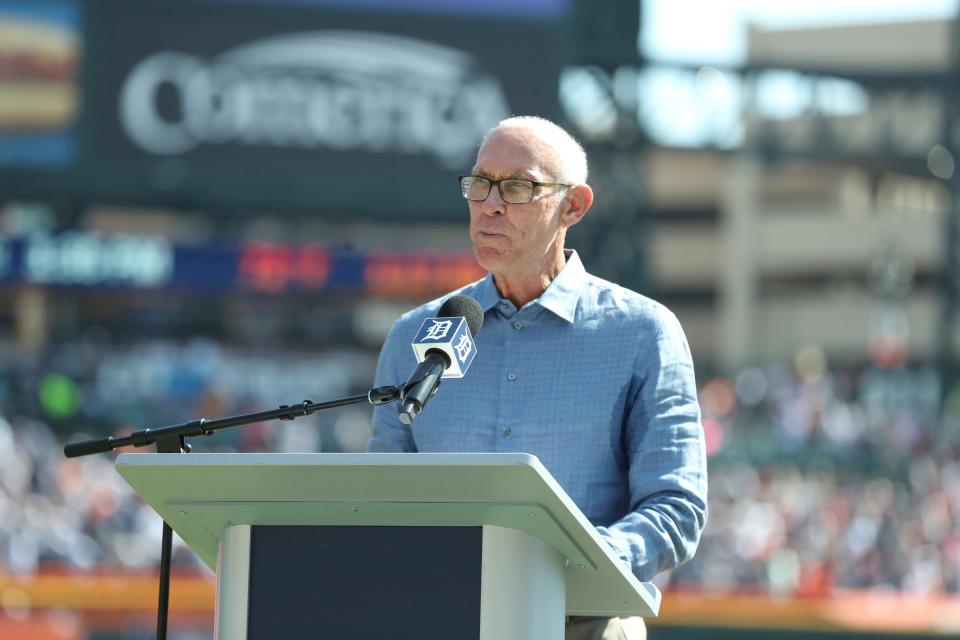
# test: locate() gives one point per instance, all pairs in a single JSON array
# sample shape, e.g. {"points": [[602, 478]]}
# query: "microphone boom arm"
{"points": [[204, 427]]}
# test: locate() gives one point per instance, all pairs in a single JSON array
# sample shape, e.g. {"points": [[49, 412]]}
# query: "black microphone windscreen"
{"points": [[465, 306]]}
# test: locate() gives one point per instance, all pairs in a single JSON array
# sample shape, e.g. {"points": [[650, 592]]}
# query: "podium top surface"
{"points": [[201, 494]]}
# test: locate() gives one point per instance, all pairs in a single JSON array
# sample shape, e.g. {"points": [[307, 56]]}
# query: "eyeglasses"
{"points": [[512, 190]]}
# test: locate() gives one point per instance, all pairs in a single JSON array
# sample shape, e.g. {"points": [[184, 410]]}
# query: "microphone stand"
{"points": [[171, 439]]}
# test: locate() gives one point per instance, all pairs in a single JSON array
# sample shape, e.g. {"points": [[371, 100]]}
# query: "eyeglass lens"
{"points": [[514, 191]]}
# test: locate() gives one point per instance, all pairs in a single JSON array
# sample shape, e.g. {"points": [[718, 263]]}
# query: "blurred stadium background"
{"points": [[218, 206]]}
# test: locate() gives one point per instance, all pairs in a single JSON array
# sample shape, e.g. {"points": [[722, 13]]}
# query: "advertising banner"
{"points": [[136, 261], [345, 110], [39, 93]]}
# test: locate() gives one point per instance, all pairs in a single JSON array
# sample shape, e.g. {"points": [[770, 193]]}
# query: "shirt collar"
{"points": [[560, 297], [487, 294]]}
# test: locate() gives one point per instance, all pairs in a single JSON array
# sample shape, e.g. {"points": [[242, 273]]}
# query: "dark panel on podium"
{"points": [[402, 583]]}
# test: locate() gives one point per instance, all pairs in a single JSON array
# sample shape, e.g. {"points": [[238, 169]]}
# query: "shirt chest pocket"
{"points": [[569, 411]]}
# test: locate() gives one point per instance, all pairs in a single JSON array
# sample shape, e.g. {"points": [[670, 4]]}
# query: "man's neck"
{"points": [[521, 288]]}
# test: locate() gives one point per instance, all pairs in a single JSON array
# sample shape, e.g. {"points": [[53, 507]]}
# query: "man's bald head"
{"points": [[561, 155]]}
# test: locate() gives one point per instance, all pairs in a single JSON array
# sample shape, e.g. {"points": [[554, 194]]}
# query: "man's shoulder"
{"points": [[407, 324], [611, 302]]}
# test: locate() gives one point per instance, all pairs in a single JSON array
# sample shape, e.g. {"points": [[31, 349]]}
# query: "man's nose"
{"points": [[494, 204]]}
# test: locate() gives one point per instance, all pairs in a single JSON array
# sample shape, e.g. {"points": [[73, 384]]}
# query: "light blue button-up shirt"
{"points": [[593, 379]]}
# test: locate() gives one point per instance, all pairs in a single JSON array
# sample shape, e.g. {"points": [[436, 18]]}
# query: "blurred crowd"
{"points": [[822, 478], [79, 513], [826, 479]]}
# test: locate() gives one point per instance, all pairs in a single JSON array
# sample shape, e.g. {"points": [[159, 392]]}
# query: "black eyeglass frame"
{"points": [[491, 184]]}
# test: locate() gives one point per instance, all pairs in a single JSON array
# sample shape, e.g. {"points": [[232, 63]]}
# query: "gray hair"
{"points": [[571, 159]]}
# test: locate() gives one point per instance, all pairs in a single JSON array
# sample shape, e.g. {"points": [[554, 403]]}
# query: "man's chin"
{"points": [[489, 259]]}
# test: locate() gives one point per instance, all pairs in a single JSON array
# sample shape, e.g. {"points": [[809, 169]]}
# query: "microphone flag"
{"points": [[452, 337]]}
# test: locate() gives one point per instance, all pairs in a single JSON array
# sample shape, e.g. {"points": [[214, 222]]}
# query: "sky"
{"points": [[686, 108], [718, 34]]}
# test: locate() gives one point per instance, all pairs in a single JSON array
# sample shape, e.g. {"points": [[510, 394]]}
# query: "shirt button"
{"points": [[504, 306], [511, 376], [506, 432], [518, 325]]}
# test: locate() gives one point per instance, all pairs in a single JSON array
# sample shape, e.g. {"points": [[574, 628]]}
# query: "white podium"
{"points": [[418, 546]]}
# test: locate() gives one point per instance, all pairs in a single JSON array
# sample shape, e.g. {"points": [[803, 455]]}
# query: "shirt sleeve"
{"points": [[389, 434], [667, 459]]}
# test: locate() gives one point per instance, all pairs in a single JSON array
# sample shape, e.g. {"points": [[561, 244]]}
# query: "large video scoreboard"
{"points": [[346, 109]]}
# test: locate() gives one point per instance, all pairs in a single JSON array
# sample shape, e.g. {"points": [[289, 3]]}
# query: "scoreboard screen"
{"points": [[359, 109]]}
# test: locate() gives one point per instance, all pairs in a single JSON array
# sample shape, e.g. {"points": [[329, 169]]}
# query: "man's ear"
{"points": [[579, 197]]}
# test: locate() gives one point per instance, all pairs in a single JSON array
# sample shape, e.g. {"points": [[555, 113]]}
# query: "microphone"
{"points": [[444, 348]]}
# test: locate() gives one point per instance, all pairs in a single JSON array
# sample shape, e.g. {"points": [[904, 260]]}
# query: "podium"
{"points": [[429, 545]]}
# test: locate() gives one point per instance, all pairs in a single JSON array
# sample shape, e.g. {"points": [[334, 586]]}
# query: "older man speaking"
{"points": [[594, 379]]}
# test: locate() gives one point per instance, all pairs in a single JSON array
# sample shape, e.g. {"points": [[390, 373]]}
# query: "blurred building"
{"points": [[826, 227]]}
